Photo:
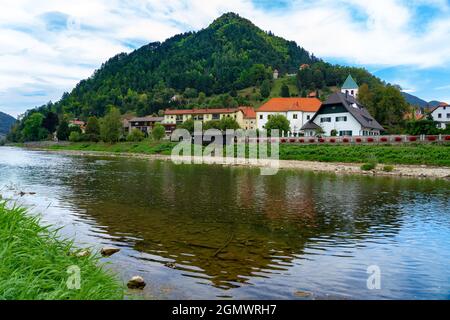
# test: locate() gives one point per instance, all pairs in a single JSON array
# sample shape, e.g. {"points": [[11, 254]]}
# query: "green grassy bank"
{"points": [[34, 263], [412, 154]]}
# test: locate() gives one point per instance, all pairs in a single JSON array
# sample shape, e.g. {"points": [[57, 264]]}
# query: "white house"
{"points": [[441, 114], [297, 110], [343, 115], [350, 87]]}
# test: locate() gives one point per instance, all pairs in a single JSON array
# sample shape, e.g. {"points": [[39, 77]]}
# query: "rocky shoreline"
{"points": [[412, 171]]}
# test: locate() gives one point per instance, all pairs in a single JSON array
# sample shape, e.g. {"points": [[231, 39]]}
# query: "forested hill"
{"points": [[6, 122], [219, 61]]}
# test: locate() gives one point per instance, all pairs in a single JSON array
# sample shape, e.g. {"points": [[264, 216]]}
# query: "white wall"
{"points": [[350, 125], [296, 124], [444, 121]]}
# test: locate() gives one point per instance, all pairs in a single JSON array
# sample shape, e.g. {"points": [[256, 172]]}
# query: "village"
{"points": [[341, 115]]}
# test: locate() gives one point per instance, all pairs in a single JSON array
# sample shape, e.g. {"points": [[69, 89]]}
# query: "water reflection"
{"points": [[232, 228]]}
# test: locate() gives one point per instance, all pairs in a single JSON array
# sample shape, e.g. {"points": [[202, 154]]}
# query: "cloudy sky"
{"points": [[47, 46]]}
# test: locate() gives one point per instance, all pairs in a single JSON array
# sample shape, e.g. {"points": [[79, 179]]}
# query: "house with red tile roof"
{"points": [[249, 118], [297, 110]]}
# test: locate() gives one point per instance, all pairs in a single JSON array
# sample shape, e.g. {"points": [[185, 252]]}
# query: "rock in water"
{"points": [[136, 283], [109, 251], [83, 253]]}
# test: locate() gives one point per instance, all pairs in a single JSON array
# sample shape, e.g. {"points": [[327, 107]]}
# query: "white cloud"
{"points": [[38, 50]]}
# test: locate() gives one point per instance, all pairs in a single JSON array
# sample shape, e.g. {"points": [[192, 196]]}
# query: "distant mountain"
{"points": [[415, 101], [6, 122]]}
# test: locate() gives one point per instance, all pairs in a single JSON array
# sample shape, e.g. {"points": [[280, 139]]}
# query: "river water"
{"points": [[208, 232]]}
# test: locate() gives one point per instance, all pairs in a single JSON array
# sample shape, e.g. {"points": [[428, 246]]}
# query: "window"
{"points": [[353, 92], [327, 119], [345, 133], [308, 117], [295, 116], [439, 115], [341, 119], [261, 117], [448, 115], [216, 116]]}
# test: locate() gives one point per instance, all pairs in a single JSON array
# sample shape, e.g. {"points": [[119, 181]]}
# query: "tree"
{"points": [[63, 130], [158, 132], [111, 126], [279, 122], [422, 127], [188, 125], [392, 106], [265, 89], [228, 123], [213, 124], [135, 135], [50, 122], [366, 98], [75, 136], [285, 92], [92, 129], [33, 130]]}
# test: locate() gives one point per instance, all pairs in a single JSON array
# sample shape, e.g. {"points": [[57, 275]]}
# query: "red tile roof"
{"points": [[200, 111], [291, 104], [249, 112]]}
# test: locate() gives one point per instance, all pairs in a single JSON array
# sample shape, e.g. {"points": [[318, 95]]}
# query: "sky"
{"points": [[47, 46]]}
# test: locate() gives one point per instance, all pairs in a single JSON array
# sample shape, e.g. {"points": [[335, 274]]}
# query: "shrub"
{"points": [[321, 140], [75, 136], [135, 135], [384, 139], [412, 139], [388, 168], [158, 132], [447, 138], [312, 140], [292, 140], [398, 139], [301, 140], [370, 140], [368, 166], [283, 140], [431, 138], [358, 140], [346, 140], [332, 140]]}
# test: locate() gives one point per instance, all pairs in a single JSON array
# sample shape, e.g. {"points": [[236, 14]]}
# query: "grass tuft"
{"points": [[35, 263]]}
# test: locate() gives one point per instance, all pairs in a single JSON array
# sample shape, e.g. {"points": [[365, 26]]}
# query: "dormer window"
{"points": [[355, 105]]}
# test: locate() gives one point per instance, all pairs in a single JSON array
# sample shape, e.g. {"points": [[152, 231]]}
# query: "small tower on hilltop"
{"points": [[350, 87], [276, 74]]}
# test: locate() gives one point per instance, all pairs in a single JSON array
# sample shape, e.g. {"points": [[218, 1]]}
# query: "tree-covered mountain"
{"points": [[230, 55], [227, 64], [6, 122]]}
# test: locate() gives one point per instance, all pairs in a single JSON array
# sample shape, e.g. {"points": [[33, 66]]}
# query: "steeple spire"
{"points": [[350, 87]]}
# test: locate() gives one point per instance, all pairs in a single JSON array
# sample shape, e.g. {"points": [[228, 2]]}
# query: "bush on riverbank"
{"points": [[34, 263], [414, 154]]}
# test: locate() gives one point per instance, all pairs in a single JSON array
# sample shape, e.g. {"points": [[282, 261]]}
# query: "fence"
{"points": [[392, 139]]}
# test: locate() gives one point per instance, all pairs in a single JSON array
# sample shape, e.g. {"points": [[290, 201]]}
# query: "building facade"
{"points": [[177, 117], [441, 114], [249, 118], [298, 111], [342, 115], [144, 124]]}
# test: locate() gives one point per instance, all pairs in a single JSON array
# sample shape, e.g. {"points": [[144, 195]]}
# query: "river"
{"points": [[210, 232]]}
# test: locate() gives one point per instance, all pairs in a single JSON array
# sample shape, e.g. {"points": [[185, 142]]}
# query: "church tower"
{"points": [[350, 87]]}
